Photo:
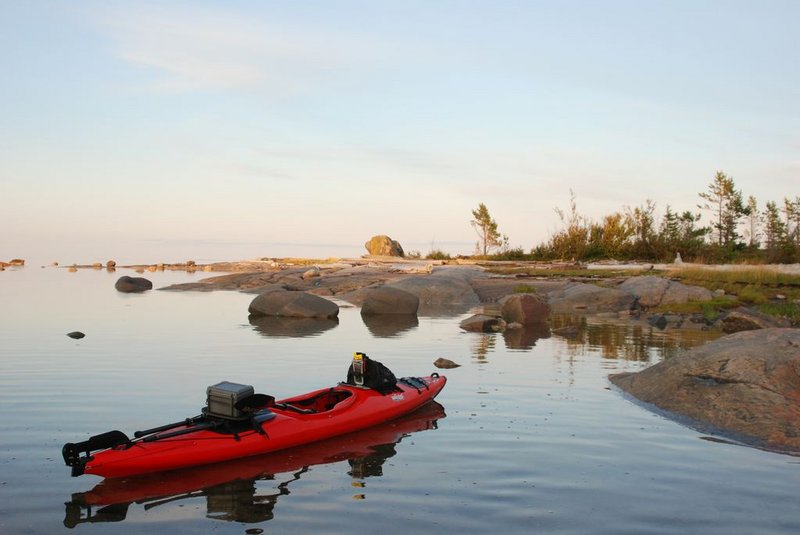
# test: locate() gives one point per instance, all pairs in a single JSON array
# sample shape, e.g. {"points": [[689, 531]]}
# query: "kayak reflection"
{"points": [[231, 488]]}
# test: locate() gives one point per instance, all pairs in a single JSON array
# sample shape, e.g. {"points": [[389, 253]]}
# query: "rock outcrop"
{"points": [[581, 298], [654, 291], [442, 289], [746, 384], [745, 319], [284, 303], [126, 284], [383, 245]]}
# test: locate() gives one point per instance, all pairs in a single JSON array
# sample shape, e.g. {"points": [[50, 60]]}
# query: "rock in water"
{"points": [[127, 284], [293, 305], [525, 309], [445, 364], [745, 383], [388, 300], [482, 323], [77, 335]]}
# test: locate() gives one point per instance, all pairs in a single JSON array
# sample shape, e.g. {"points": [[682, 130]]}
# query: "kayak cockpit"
{"points": [[317, 402]]}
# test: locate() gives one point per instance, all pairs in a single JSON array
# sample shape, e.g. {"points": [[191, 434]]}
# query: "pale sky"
{"points": [[167, 131]]}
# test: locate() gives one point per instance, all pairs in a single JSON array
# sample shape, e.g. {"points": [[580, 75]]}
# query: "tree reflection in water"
{"points": [[623, 339], [231, 489], [613, 338]]}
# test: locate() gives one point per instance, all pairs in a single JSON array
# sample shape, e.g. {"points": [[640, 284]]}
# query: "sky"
{"points": [[166, 131]]}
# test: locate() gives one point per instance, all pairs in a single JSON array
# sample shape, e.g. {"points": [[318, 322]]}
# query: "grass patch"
{"points": [[544, 273], [708, 308], [746, 276], [524, 289], [752, 295], [770, 292], [783, 309]]}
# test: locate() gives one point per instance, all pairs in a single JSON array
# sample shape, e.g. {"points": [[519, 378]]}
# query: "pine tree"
{"points": [[774, 227], [486, 227], [725, 203]]}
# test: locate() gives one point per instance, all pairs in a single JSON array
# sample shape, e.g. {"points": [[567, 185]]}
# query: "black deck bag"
{"points": [[375, 375]]}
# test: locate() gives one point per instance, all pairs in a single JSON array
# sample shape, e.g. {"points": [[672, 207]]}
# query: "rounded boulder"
{"points": [[525, 309], [127, 284], [388, 300], [285, 303]]}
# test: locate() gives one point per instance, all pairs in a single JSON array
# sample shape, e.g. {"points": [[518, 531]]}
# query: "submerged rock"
{"points": [[747, 384], [77, 335]]}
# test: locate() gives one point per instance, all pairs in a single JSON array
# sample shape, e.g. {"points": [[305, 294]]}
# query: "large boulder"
{"points": [[746, 384], [389, 300], [525, 309], [127, 284], [653, 291], [383, 245], [589, 298], [277, 302]]}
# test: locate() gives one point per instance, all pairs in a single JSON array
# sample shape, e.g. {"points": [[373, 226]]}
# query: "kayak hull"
{"points": [[295, 421]]}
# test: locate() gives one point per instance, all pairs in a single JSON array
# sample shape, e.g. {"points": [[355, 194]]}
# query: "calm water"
{"points": [[529, 436]]}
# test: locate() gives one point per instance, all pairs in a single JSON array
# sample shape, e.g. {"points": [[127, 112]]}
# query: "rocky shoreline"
{"points": [[759, 409], [745, 384]]}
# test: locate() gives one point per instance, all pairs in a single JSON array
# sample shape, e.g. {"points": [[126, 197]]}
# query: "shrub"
{"points": [[437, 254]]}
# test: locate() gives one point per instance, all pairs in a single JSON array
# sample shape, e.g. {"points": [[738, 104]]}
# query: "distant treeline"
{"points": [[740, 231]]}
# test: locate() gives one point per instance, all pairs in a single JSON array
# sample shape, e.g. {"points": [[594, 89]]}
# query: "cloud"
{"points": [[210, 49]]}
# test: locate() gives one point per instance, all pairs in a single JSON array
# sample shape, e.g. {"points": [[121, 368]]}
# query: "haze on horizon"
{"points": [[197, 129]]}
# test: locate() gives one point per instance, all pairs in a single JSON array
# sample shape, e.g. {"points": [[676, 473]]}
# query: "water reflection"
{"points": [[482, 345], [625, 339], [389, 325], [526, 336], [619, 340], [282, 327], [231, 490]]}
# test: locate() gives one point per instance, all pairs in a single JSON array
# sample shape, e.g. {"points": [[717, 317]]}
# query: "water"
{"points": [[530, 436]]}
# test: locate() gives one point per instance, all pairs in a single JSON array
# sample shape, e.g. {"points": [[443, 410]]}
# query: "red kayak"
{"points": [[366, 450], [256, 425]]}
